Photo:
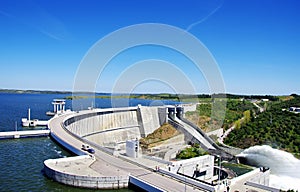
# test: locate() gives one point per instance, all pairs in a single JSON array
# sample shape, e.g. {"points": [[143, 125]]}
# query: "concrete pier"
{"points": [[22, 134]]}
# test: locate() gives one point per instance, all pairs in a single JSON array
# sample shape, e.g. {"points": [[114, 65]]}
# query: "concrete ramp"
{"points": [[191, 131], [205, 141]]}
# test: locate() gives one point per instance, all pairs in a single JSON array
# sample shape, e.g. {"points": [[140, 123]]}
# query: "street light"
{"points": [[118, 179], [184, 177], [219, 178]]}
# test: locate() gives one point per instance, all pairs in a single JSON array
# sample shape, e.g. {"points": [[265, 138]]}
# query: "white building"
{"points": [[201, 167]]}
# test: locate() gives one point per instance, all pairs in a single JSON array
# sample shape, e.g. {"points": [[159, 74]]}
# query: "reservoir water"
{"points": [[21, 160]]}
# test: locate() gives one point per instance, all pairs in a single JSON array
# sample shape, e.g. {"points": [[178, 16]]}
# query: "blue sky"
{"points": [[256, 43]]}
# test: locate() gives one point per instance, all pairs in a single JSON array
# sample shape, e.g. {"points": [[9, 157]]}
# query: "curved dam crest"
{"points": [[115, 126], [106, 130]]}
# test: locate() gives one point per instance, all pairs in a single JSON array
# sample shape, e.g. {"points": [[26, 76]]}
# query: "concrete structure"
{"points": [[148, 119], [106, 163], [255, 180], [189, 107], [113, 127], [132, 148], [188, 181], [59, 107], [144, 185], [162, 115], [105, 127], [218, 133], [107, 130], [21, 134], [199, 167], [32, 122], [77, 171]]}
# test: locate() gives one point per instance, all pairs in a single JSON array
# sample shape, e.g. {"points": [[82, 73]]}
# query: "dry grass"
{"points": [[166, 131]]}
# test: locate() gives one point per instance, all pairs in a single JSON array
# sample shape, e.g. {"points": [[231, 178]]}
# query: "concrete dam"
{"points": [[113, 127], [107, 131]]}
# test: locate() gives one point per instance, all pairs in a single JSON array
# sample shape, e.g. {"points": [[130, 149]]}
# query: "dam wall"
{"points": [[110, 127], [94, 122], [148, 119]]}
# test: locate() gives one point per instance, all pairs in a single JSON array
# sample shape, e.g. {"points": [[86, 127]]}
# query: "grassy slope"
{"points": [[166, 131]]}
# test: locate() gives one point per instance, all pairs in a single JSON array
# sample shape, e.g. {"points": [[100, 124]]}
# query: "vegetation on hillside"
{"points": [[276, 127], [162, 96], [19, 91], [235, 110], [166, 131], [195, 98]]}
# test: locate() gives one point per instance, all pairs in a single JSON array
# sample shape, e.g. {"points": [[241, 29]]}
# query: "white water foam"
{"points": [[285, 168]]}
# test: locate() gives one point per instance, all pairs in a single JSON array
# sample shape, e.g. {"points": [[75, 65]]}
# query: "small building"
{"points": [[201, 167], [132, 148], [58, 107]]}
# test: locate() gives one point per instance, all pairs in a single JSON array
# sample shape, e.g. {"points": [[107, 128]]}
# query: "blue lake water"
{"points": [[21, 160]]}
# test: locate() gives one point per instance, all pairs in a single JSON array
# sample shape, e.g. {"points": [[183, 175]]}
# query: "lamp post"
{"points": [[219, 178], [118, 179], [184, 177]]}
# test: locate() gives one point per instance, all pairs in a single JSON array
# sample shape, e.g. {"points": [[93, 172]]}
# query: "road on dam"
{"points": [[109, 165]]}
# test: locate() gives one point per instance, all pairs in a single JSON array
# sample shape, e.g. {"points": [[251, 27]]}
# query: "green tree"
{"points": [[247, 116]]}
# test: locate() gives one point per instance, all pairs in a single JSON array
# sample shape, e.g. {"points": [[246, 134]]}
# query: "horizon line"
{"points": [[6, 90]]}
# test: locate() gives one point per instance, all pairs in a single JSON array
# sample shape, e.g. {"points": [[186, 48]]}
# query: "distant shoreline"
{"points": [[156, 96], [19, 91]]}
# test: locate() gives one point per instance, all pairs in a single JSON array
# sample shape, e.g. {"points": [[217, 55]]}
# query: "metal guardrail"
{"points": [[144, 185], [188, 180]]}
